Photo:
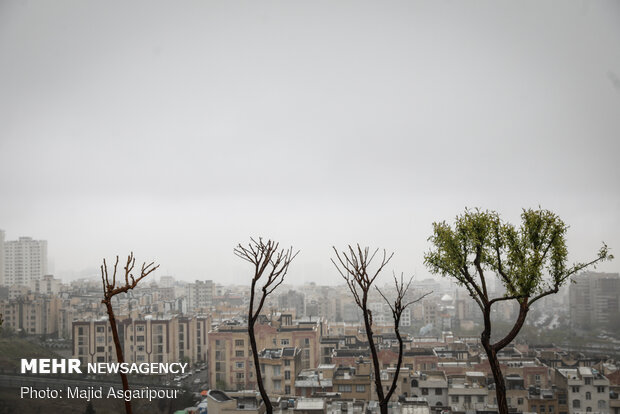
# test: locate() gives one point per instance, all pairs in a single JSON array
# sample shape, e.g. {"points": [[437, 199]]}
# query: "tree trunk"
{"points": [[498, 377], [375, 359], [119, 351], [492, 349], [400, 361], [259, 377]]}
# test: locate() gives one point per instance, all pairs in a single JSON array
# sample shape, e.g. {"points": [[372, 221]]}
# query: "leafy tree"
{"points": [[529, 260], [270, 266]]}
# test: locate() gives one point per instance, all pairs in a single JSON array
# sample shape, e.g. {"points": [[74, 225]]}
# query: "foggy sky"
{"points": [[179, 129]]}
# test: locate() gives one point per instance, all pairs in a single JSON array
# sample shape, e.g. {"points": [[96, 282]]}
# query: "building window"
{"points": [[240, 375], [101, 349], [287, 362], [140, 338], [455, 398], [239, 354], [287, 389], [284, 342], [600, 389], [360, 388], [481, 398], [468, 399], [543, 408], [344, 388], [576, 403], [424, 391], [238, 342], [588, 381], [140, 328], [438, 391], [306, 341], [239, 365], [575, 388], [589, 410], [100, 329], [287, 374], [588, 395], [519, 401]]}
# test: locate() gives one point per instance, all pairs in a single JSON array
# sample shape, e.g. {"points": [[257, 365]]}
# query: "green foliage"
{"points": [[530, 260]]}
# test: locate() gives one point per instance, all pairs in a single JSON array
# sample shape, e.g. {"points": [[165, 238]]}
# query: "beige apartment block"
{"points": [[279, 368], [32, 314], [144, 340], [230, 359]]}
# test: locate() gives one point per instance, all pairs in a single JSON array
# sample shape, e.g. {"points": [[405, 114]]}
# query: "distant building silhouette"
{"points": [[23, 261], [594, 300]]}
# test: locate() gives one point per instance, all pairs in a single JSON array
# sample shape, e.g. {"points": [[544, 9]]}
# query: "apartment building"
{"points": [[47, 285], [279, 368], [354, 382], [594, 300], [32, 314], [586, 390], [312, 381], [2, 236], [230, 358], [24, 260], [199, 295], [468, 392], [543, 401], [382, 314], [432, 385], [143, 340]]}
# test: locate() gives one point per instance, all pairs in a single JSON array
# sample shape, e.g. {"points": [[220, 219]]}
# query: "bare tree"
{"points": [[270, 265], [354, 266], [109, 291], [397, 307]]}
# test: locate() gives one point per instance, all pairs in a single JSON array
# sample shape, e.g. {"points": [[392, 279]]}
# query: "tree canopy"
{"points": [[530, 260]]}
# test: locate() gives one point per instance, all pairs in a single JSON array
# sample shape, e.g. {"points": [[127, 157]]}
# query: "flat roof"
{"points": [[310, 404]]}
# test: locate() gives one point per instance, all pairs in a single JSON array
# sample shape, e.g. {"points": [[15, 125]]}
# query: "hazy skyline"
{"points": [[179, 129]]}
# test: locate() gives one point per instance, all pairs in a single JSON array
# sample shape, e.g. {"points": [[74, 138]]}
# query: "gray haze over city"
{"points": [[179, 129]]}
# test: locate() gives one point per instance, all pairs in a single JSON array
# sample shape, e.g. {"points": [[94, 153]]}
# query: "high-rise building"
{"points": [[25, 260], [595, 300], [2, 258], [199, 295]]}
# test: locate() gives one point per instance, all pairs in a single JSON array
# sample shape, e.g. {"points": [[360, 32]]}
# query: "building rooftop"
{"points": [[310, 404]]}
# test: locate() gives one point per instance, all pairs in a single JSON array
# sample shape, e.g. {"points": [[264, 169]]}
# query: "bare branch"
{"points": [[270, 265]]}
